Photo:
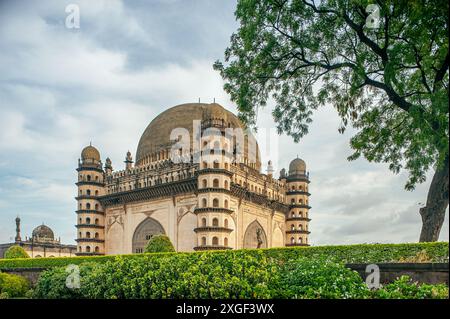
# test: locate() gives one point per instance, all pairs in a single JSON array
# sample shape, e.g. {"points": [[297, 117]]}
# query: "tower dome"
{"points": [[90, 153], [297, 167], [43, 232]]}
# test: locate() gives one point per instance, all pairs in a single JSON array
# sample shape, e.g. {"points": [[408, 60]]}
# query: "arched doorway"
{"points": [[255, 236], [146, 230]]}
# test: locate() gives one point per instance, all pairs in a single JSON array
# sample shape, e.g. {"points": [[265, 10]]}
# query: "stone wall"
{"points": [[430, 273]]}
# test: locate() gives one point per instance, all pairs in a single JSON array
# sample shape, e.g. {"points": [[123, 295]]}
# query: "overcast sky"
{"points": [[61, 88]]}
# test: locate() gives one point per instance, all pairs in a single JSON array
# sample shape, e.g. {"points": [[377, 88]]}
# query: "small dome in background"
{"points": [[297, 167], [90, 153], [43, 232]]}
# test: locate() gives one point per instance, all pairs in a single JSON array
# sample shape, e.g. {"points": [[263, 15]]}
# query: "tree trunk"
{"points": [[433, 213]]}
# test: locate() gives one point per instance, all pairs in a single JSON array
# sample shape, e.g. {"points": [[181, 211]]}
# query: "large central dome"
{"points": [[156, 136]]}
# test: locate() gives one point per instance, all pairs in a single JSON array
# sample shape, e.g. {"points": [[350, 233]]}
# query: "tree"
{"points": [[383, 65], [159, 244], [16, 251]]}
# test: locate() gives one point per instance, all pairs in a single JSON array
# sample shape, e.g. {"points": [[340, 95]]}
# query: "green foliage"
{"points": [[13, 286], [319, 278], [15, 252], [362, 253], [405, 288], [389, 82], [159, 244], [230, 275]]}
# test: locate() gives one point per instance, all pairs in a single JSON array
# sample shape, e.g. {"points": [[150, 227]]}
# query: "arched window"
{"points": [[300, 240], [203, 222], [215, 202], [205, 165], [96, 178], [300, 226], [88, 220], [204, 183], [292, 240], [292, 227], [215, 222], [97, 249], [216, 164], [80, 220], [225, 184], [88, 192], [88, 206], [96, 193], [301, 214], [225, 242], [88, 235], [301, 201], [88, 249], [215, 241], [215, 183], [96, 221], [79, 235], [204, 202], [293, 187], [89, 178], [293, 214], [292, 201], [225, 203], [96, 206], [97, 235], [203, 241], [225, 223]]}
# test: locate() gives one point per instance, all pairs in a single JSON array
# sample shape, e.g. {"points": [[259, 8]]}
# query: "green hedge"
{"points": [[235, 275], [364, 253], [13, 286]]}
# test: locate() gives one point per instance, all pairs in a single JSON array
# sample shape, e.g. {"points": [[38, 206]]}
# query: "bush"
{"points": [[405, 288], [372, 253], [159, 244], [13, 286], [15, 252], [307, 278]]}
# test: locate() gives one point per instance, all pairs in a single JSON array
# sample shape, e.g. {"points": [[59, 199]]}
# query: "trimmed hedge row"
{"points": [[363, 253], [229, 275]]}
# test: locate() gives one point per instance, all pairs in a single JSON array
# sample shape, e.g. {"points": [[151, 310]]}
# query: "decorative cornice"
{"points": [[93, 183], [90, 211], [306, 219], [89, 226], [297, 231], [151, 192], [213, 229], [214, 190], [299, 206], [297, 192], [214, 171], [90, 240], [212, 210]]}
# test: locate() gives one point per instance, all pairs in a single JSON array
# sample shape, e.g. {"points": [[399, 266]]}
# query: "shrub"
{"points": [[307, 278], [372, 253], [405, 288], [159, 244], [15, 252], [13, 286]]}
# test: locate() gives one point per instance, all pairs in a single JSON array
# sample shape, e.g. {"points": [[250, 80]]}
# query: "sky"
{"points": [[62, 88]]}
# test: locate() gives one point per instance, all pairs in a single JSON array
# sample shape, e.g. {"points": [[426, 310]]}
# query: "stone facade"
{"points": [[210, 197]]}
